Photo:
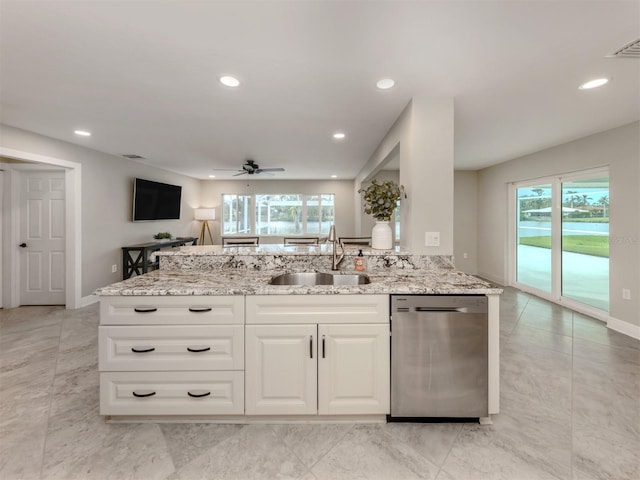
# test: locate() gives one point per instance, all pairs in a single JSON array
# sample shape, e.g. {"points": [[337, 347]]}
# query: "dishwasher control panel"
{"points": [[421, 303]]}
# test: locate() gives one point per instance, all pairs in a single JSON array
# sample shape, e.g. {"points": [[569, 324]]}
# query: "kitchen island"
{"points": [[208, 337]]}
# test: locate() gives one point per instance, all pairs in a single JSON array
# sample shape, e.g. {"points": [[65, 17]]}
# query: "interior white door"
{"points": [[280, 370], [353, 369], [42, 238]]}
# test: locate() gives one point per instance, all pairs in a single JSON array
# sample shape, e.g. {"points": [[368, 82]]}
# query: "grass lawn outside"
{"points": [[586, 244]]}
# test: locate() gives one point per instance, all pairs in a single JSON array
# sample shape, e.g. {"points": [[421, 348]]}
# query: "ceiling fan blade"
{"points": [[272, 169], [241, 173], [225, 169], [262, 172]]}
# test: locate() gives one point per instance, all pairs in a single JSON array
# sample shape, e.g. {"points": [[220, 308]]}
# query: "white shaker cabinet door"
{"points": [[281, 369], [353, 369]]}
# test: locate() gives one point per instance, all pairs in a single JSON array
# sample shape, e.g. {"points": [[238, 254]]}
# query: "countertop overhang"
{"points": [[256, 282]]}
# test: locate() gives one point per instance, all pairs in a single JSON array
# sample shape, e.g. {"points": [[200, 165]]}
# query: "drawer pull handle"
{"points": [[198, 349], [199, 395], [144, 394], [145, 310], [200, 310], [142, 349]]}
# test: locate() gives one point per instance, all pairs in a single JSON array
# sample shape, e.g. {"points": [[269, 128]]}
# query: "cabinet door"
{"points": [[353, 369], [281, 369]]}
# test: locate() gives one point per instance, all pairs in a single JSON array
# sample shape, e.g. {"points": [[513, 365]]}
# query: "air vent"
{"points": [[630, 50], [132, 156]]}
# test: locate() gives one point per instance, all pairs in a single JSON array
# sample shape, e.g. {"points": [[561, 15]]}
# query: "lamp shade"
{"points": [[204, 213]]}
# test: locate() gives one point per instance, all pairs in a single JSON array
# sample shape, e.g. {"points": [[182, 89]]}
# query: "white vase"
{"points": [[381, 237]]}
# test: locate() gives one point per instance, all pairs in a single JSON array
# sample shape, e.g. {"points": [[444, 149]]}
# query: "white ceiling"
{"points": [[142, 77]]}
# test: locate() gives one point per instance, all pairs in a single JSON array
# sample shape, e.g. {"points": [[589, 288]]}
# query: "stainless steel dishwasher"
{"points": [[439, 356]]}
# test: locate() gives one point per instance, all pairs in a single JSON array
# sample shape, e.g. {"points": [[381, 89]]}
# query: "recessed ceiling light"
{"points": [[334, 176], [598, 82], [82, 133], [385, 83], [339, 135], [229, 81], [212, 176]]}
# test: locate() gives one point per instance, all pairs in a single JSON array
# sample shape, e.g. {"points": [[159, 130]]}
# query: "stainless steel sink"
{"points": [[311, 278]]}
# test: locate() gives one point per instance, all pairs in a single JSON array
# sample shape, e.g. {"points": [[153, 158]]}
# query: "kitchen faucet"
{"points": [[333, 238]]}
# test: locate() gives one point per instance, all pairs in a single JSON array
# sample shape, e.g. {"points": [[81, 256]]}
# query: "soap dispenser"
{"points": [[360, 262]]}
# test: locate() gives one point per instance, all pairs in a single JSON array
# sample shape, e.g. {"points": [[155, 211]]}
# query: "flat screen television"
{"points": [[155, 201]]}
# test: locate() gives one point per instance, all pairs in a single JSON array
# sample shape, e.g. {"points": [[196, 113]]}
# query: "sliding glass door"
{"points": [[562, 238], [585, 241], [533, 251]]}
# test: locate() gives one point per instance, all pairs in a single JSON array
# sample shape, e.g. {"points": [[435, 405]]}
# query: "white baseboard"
{"points": [[491, 278], [623, 327], [88, 300]]}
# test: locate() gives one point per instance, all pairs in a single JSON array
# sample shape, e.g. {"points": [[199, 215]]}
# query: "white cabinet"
{"points": [[310, 368], [171, 393], [353, 369], [281, 370], [171, 355]]}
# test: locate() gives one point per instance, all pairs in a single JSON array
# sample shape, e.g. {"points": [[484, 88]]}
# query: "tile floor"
{"points": [[570, 410]]}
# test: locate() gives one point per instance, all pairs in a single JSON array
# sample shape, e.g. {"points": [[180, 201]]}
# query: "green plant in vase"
{"points": [[380, 201]]}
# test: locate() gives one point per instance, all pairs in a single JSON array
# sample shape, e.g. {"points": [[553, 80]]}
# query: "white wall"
{"points": [[620, 150], [107, 191], [212, 190], [423, 133], [465, 221]]}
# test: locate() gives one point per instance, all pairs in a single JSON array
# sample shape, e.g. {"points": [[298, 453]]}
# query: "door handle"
{"points": [[23, 245]]}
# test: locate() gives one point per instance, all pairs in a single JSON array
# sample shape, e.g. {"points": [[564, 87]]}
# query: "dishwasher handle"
{"points": [[442, 309]]}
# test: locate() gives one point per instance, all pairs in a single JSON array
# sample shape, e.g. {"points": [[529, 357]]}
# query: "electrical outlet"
{"points": [[626, 294], [114, 268], [432, 239]]}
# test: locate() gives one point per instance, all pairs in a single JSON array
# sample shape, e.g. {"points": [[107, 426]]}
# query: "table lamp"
{"points": [[205, 214]]}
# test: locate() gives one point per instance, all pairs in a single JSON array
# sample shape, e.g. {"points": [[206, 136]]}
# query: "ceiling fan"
{"points": [[250, 167]]}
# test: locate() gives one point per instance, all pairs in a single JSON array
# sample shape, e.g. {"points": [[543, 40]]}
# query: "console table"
{"points": [[135, 258]]}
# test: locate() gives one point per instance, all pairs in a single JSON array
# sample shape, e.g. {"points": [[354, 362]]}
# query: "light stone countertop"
{"points": [[255, 282]]}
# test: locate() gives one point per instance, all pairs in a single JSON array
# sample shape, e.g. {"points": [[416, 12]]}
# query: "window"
{"points": [[236, 216], [278, 214]]}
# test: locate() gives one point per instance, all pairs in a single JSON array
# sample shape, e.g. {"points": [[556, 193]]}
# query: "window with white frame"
{"points": [[278, 214], [236, 214]]}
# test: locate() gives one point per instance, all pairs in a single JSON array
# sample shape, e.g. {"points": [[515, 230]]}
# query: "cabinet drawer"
{"points": [[171, 393], [165, 347], [288, 309], [159, 310]]}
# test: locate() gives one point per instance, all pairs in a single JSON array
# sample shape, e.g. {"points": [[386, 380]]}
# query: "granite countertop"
{"points": [[256, 282], [323, 249]]}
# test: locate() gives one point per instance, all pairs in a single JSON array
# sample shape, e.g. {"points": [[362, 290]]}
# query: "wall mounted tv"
{"points": [[155, 201]]}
